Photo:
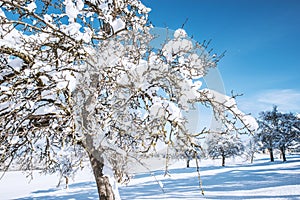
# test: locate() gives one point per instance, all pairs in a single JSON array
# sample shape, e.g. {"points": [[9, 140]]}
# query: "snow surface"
{"points": [[238, 180], [31, 6]]}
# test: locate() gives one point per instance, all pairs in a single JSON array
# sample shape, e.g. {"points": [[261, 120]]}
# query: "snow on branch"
{"points": [[85, 76], [225, 109]]}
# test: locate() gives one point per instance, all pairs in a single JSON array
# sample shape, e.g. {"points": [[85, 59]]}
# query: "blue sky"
{"points": [[262, 40]]}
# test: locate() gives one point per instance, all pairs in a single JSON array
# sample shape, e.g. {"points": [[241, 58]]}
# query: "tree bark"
{"points": [[223, 161], [282, 149], [271, 154], [86, 120], [105, 190], [188, 163], [252, 158]]}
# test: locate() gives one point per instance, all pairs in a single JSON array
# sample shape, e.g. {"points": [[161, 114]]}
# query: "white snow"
{"points": [[16, 63], [180, 33], [72, 29], [118, 24], [2, 14], [48, 18], [71, 10], [109, 173], [31, 6], [177, 46], [79, 4], [238, 180], [230, 102]]}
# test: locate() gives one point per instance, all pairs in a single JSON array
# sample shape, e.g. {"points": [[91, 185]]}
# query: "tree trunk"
{"points": [[67, 182], [188, 163], [271, 154], [85, 99], [282, 149], [252, 158], [223, 161], [104, 188]]}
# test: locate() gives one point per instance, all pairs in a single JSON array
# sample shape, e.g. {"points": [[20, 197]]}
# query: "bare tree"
{"points": [[81, 77]]}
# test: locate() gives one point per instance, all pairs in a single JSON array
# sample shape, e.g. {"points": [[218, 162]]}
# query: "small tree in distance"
{"points": [[251, 147], [224, 145], [82, 77]]}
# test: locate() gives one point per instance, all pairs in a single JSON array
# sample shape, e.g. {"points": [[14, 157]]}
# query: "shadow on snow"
{"points": [[223, 179]]}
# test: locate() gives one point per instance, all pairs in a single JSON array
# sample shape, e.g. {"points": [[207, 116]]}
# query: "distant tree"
{"points": [[288, 133], [268, 129], [278, 130], [193, 153], [224, 145], [251, 147], [82, 77]]}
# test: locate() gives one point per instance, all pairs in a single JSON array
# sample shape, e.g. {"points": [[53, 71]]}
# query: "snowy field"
{"points": [[238, 180]]}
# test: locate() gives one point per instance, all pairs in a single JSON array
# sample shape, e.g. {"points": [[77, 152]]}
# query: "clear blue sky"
{"points": [[262, 39]]}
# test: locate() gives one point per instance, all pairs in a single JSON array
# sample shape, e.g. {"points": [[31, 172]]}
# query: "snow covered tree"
{"points": [[278, 130], [224, 145], [295, 144], [268, 128], [251, 147], [288, 133], [193, 153], [82, 77]]}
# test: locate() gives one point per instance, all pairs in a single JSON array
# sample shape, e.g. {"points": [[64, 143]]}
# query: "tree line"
{"points": [[276, 131]]}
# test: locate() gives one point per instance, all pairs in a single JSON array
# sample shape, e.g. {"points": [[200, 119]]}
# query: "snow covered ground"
{"points": [[238, 180]]}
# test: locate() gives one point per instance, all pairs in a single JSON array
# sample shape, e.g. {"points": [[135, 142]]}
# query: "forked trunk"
{"points": [[282, 150], [105, 190]]}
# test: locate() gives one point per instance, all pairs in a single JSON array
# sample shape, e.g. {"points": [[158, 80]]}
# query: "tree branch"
{"points": [[26, 58]]}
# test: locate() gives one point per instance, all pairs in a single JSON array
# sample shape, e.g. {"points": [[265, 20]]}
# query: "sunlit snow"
{"points": [[238, 180]]}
